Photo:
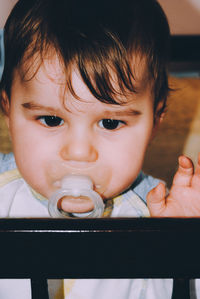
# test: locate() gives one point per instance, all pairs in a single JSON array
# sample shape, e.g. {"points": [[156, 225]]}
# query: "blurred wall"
{"points": [[5, 7], [183, 15]]}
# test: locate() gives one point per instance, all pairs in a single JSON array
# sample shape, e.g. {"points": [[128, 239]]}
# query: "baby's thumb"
{"points": [[156, 200]]}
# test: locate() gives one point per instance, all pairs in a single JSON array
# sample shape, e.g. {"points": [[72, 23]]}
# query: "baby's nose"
{"points": [[80, 149]]}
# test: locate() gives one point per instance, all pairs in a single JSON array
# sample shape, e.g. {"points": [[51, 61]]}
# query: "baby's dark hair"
{"points": [[100, 38]]}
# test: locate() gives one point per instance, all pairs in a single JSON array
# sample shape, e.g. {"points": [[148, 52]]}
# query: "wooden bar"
{"points": [[39, 289], [86, 248]]}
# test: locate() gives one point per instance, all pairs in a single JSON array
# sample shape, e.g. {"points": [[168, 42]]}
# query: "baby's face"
{"points": [[54, 134]]}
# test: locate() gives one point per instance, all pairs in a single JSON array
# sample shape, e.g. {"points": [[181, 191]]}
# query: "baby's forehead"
{"points": [[69, 79]]}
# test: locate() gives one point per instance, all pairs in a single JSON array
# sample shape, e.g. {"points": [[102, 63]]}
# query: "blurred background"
{"points": [[180, 131]]}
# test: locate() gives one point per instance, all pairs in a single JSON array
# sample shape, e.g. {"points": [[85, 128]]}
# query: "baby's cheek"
{"points": [[127, 174]]}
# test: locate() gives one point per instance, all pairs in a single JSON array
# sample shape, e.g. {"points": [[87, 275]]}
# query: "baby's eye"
{"points": [[110, 124], [51, 121]]}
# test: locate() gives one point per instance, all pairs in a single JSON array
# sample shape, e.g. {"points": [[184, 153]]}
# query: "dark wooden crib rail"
{"points": [[100, 248]]}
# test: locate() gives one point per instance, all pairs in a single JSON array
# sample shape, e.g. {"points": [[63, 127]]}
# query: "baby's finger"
{"points": [[197, 170], [184, 174], [156, 200], [196, 178]]}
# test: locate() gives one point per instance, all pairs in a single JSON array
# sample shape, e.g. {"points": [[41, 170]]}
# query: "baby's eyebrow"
{"points": [[38, 107], [121, 113]]}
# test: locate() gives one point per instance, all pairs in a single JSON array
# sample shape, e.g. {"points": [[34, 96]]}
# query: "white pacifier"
{"points": [[77, 197]]}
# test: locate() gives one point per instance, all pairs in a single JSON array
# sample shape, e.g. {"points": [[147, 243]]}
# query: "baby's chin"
{"points": [[114, 192]]}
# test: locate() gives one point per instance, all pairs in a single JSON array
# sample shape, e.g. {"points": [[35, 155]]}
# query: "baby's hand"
{"points": [[184, 197]]}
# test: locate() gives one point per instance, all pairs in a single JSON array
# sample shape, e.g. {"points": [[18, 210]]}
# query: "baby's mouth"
{"points": [[97, 187], [99, 175]]}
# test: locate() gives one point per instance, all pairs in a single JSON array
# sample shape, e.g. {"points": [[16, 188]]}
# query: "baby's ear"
{"points": [[5, 104], [158, 118]]}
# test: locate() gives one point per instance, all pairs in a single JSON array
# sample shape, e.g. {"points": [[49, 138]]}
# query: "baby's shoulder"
{"points": [[7, 162]]}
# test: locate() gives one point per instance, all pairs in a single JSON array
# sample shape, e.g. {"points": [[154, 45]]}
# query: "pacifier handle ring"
{"points": [[94, 196]]}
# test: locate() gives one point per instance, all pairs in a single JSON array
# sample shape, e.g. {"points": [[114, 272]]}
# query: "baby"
{"points": [[83, 91]]}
